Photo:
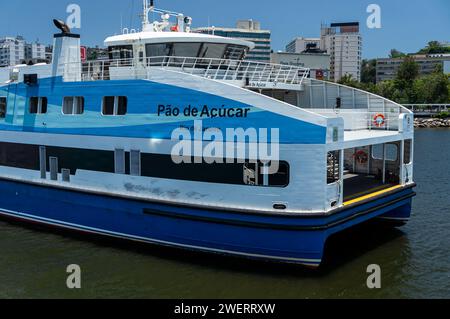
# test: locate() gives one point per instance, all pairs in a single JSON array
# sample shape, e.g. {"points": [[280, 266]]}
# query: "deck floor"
{"points": [[358, 185]]}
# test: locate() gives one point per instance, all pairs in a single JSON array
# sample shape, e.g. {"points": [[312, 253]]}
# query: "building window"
{"points": [[114, 105], [73, 105], [3, 103], [38, 105]]}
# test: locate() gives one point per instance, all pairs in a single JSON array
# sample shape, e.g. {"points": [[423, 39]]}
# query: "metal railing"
{"points": [[252, 73], [428, 108]]}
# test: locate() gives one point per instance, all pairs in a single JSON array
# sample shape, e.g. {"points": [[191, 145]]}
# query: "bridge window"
{"points": [[212, 51], [38, 105], [114, 105], [73, 105], [3, 103], [186, 49], [121, 52]]}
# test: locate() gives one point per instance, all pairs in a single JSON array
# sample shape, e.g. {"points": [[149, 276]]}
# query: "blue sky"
{"points": [[407, 25]]}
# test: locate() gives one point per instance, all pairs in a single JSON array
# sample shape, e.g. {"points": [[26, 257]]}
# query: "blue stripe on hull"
{"points": [[287, 239]]}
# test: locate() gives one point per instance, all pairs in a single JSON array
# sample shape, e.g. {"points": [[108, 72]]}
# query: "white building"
{"points": [[12, 51], [35, 51], [248, 30], [318, 63], [344, 43], [301, 44]]}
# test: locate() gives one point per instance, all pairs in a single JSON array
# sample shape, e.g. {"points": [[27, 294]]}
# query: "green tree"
{"points": [[434, 47], [396, 54], [408, 70], [369, 71]]}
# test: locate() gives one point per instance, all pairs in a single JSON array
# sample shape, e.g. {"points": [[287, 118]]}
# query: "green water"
{"points": [[415, 259]]}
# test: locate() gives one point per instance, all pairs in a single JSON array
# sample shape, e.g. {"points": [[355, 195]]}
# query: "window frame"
{"points": [[387, 158], [73, 105], [41, 107], [116, 106]]}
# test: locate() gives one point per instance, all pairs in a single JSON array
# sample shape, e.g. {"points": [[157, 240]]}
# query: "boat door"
{"points": [[140, 60]]}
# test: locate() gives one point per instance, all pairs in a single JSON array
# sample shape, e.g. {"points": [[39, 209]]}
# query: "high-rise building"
{"points": [[12, 51], [247, 30], [300, 45], [344, 43]]}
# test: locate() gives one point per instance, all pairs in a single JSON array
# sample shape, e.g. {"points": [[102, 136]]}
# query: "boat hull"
{"points": [[296, 239]]}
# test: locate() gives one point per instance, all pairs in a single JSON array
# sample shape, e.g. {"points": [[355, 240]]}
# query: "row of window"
{"points": [[119, 161], [73, 105]]}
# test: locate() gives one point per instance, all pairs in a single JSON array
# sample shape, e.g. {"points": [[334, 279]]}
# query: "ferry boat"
{"points": [[88, 146]]}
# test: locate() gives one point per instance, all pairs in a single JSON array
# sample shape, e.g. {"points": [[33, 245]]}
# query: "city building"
{"points": [[247, 30], [387, 68], [344, 44], [318, 63], [34, 53], [300, 44], [12, 51]]}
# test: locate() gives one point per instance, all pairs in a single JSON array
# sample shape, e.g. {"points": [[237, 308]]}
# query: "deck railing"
{"points": [[251, 72]]}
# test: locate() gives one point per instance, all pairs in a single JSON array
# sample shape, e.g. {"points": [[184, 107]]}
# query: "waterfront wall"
{"points": [[431, 123]]}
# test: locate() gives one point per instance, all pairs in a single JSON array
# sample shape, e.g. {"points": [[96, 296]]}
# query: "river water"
{"points": [[415, 259]]}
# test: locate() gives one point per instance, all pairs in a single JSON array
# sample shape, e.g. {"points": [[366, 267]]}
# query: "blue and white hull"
{"points": [[292, 239]]}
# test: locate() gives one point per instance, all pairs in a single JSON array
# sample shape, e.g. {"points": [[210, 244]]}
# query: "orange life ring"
{"points": [[379, 120], [361, 157]]}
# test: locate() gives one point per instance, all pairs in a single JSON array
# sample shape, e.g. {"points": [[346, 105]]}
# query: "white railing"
{"points": [[428, 108], [251, 73]]}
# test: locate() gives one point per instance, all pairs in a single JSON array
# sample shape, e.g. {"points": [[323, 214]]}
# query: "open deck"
{"points": [[247, 73]]}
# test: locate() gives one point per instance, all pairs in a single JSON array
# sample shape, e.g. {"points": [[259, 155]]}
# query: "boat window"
{"points": [[391, 152], [121, 52], [408, 152], [190, 50], [73, 105], [234, 52], [114, 105], [253, 175], [158, 50], [2, 107], [38, 105], [212, 51]]}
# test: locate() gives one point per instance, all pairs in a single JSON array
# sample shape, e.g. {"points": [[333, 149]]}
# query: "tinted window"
{"points": [[212, 50], [114, 105], [186, 49], [38, 105], [73, 105], [2, 107], [161, 49]]}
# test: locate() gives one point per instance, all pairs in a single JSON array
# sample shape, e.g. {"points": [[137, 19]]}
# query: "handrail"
{"points": [[211, 68]]}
